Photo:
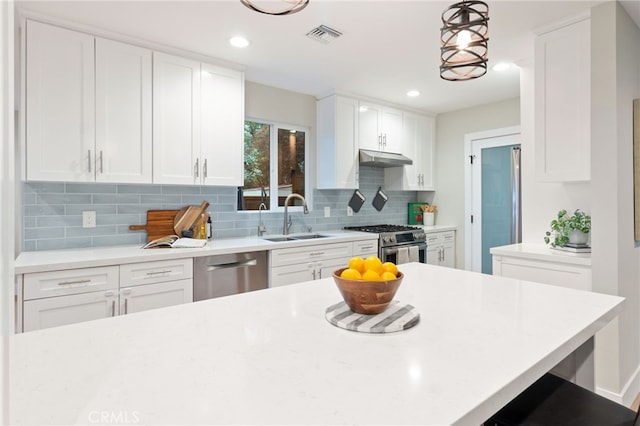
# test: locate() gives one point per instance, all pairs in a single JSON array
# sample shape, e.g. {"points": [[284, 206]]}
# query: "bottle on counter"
{"points": [[202, 230], [209, 227]]}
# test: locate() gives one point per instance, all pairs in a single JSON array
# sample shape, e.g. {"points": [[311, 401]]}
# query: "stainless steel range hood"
{"points": [[383, 159]]}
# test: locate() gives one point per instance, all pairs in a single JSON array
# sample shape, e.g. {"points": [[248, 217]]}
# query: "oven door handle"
{"points": [[394, 250]]}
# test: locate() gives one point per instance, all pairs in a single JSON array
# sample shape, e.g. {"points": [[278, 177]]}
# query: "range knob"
{"points": [[386, 239]]}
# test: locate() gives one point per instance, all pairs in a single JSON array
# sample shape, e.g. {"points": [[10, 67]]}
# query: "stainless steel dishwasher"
{"points": [[225, 274]]}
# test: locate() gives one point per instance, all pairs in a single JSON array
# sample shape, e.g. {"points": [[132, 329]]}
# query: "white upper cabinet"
{"points": [[563, 103], [176, 119], [418, 136], [337, 148], [222, 124], [197, 123], [380, 128], [88, 108], [123, 113], [60, 142]]}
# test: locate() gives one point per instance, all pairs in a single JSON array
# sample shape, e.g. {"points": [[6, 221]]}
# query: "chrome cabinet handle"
{"points": [[317, 253], [314, 274], [113, 308], [126, 306], [89, 161], [204, 168], [74, 282], [101, 169], [197, 167]]}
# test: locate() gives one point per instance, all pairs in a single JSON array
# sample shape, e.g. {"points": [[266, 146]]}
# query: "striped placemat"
{"points": [[397, 317]]}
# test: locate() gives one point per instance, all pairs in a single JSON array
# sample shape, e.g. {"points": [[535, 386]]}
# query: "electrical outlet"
{"points": [[349, 211], [89, 219], [327, 211]]}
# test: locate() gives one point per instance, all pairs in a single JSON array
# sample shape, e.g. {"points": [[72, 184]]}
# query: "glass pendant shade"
{"points": [[276, 7], [464, 41]]}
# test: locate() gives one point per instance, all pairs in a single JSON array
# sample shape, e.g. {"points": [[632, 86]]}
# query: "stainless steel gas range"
{"points": [[395, 242]]}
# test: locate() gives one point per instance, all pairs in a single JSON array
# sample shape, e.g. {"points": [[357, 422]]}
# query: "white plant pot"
{"points": [[578, 237], [429, 218]]}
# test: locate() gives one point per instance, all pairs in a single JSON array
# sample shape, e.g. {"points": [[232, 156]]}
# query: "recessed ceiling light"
{"points": [[501, 66], [238, 41], [413, 93]]}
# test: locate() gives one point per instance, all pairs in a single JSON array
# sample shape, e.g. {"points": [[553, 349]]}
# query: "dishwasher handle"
{"points": [[250, 262]]}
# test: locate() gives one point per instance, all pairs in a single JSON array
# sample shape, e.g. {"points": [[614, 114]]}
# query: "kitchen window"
{"points": [[274, 165]]}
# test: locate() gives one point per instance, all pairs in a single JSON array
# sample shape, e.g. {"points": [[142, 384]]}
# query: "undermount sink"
{"points": [[278, 239], [307, 236], [294, 237]]}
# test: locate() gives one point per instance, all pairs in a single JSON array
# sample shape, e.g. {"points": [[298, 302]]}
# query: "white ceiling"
{"points": [[387, 47]]}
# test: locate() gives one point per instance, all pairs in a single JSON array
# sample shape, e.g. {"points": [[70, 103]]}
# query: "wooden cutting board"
{"points": [[159, 224], [187, 217]]}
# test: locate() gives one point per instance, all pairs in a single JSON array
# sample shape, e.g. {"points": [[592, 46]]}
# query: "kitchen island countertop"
{"points": [[271, 357]]}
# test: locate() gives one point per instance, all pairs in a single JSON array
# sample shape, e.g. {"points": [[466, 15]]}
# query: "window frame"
{"points": [[274, 126]]}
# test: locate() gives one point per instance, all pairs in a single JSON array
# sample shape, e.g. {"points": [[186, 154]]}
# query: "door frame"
{"points": [[469, 140]]}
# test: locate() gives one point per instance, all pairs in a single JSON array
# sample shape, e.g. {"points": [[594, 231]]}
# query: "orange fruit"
{"points": [[387, 276], [351, 274], [373, 263], [357, 263], [390, 267], [370, 275]]}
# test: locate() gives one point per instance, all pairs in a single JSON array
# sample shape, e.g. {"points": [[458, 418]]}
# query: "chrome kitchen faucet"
{"points": [[287, 222]]}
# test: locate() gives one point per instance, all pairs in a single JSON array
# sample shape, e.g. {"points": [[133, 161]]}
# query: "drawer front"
{"points": [[434, 238], [41, 285], [155, 272], [365, 248], [294, 255], [449, 236]]}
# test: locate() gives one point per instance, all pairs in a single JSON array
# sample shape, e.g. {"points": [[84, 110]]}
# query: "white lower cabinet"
{"points": [[298, 264], [153, 296], [553, 270], [64, 310], [441, 248], [58, 298]]}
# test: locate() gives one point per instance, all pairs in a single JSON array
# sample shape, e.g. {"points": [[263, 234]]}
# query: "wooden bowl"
{"points": [[367, 297]]}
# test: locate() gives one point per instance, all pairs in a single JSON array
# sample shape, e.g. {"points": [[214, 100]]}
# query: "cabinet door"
{"points": [[448, 256], [123, 113], [63, 310], [176, 120], [292, 274], [326, 268], [302, 255], [433, 255], [406, 178], [153, 296], [563, 103], [391, 124], [222, 117], [60, 140], [370, 135], [337, 160], [425, 152]]}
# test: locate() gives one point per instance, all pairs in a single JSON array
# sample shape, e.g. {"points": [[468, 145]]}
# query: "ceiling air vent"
{"points": [[323, 34]]}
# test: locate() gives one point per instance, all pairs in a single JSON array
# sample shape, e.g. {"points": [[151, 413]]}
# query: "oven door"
{"points": [[390, 254]]}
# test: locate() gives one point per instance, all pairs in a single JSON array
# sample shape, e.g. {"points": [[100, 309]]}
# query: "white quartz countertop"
{"points": [[51, 260], [438, 228], [271, 357], [542, 252]]}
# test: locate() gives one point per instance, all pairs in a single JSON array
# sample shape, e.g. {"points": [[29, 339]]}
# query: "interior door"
{"points": [[494, 207]]}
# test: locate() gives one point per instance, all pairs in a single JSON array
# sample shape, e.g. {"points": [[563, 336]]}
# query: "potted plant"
{"points": [[567, 229]]}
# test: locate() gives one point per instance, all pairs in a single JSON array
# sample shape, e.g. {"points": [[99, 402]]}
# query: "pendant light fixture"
{"points": [[293, 6], [464, 41]]}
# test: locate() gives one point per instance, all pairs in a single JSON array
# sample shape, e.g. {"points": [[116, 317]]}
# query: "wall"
{"points": [[451, 130], [7, 185], [615, 67]]}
